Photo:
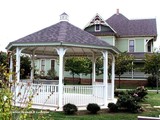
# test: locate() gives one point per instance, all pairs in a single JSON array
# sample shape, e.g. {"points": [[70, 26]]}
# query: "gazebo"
{"points": [[64, 40]]}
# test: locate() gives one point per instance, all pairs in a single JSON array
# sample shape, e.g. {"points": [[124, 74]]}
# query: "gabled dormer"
{"points": [[98, 26]]}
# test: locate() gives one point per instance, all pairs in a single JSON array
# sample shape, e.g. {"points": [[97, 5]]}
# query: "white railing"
{"points": [[110, 90], [42, 94], [46, 94], [82, 95]]}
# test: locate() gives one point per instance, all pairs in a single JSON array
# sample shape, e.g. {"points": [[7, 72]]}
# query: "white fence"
{"points": [[82, 95], [46, 94]]}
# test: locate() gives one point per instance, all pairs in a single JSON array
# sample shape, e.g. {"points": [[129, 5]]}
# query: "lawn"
{"points": [[153, 100]]}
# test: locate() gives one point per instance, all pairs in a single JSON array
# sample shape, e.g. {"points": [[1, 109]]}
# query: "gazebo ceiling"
{"points": [[62, 34]]}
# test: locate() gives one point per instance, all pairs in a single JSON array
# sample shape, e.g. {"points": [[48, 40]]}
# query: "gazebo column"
{"points": [[105, 76], [32, 67], [93, 69], [61, 51], [11, 68], [18, 59], [113, 77]]}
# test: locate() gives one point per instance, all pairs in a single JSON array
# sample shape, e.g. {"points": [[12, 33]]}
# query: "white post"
{"points": [[105, 76], [61, 52], [18, 59], [113, 76], [93, 69], [132, 70], [11, 68], [32, 67], [18, 64]]}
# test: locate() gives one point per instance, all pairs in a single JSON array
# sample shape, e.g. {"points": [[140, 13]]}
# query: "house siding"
{"points": [[139, 44], [122, 44], [108, 39]]}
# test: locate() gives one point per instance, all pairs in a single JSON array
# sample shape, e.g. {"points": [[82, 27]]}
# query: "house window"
{"points": [[97, 27], [131, 45], [52, 64], [149, 46], [42, 65]]}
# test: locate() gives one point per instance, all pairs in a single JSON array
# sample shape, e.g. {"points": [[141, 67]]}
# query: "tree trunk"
{"points": [[157, 80]]}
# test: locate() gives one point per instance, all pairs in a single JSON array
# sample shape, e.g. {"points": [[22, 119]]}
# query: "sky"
{"points": [[19, 18]]}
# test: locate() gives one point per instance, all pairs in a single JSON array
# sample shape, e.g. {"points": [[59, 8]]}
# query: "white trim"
{"points": [[41, 66]]}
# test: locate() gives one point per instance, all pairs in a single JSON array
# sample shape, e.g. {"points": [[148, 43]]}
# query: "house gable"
{"points": [[97, 26]]}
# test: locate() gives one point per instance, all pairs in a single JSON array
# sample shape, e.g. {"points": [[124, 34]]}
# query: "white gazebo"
{"points": [[64, 40]]}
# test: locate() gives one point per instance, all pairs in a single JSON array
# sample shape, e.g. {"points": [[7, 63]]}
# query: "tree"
{"points": [[25, 66], [123, 63], [3, 57], [152, 65], [77, 65]]}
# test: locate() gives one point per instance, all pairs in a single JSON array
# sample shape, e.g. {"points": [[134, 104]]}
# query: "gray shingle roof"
{"points": [[139, 55], [125, 27], [62, 32]]}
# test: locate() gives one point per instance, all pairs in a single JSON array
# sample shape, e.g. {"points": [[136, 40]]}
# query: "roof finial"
{"points": [[117, 12], [64, 17]]}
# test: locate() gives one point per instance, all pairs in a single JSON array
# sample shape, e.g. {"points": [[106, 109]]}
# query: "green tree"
{"points": [[152, 65], [3, 57], [25, 66], [123, 63], [77, 65]]}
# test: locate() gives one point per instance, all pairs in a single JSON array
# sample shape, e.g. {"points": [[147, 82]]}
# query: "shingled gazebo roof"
{"points": [[60, 34]]}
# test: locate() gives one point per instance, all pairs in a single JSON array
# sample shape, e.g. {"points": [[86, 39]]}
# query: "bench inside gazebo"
{"points": [[63, 40]]}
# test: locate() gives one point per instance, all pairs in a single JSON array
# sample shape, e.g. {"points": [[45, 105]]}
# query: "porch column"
{"points": [[32, 67], [61, 51], [105, 75], [93, 69], [113, 77]]}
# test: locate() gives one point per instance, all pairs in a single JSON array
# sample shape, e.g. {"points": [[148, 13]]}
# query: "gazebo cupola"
{"points": [[64, 17]]}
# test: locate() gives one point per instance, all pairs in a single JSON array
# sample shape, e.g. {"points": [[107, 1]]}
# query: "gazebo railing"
{"points": [[82, 95], [41, 94], [47, 94]]}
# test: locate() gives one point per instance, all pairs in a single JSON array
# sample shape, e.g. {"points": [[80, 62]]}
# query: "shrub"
{"points": [[93, 108], [139, 94], [70, 109], [118, 93], [127, 102], [152, 81], [51, 74], [113, 107]]}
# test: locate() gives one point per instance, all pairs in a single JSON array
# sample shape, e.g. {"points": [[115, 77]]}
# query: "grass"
{"points": [[153, 99]]}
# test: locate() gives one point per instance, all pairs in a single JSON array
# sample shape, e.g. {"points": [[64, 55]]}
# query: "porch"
{"points": [[45, 96]]}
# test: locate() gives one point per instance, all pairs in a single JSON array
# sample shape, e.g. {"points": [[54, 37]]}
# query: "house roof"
{"points": [[125, 27], [139, 55]]}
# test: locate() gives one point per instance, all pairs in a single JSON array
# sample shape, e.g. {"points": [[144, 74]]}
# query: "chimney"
{"points": [[64, 17], [117, 12]]}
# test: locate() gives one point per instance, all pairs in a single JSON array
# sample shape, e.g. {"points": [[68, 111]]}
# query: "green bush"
{"points": [[118, 93], [128, 103], [139, 94], [70, 109], [113, 107], [51, 74], [152, 81], [93, 108]]}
